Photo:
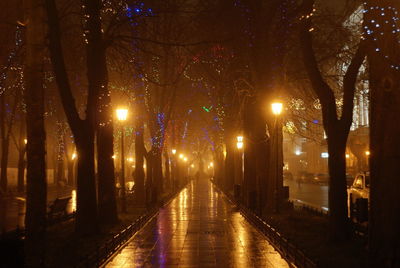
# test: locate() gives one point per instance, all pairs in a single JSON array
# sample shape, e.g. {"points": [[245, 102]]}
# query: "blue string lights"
{"points": [[384, 21]]}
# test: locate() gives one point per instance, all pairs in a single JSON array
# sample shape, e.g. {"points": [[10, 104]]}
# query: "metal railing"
{"points": [[290, 252], [104, 252]]}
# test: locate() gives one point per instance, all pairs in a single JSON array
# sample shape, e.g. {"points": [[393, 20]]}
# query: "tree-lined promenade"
{"points": [[196, 79]]}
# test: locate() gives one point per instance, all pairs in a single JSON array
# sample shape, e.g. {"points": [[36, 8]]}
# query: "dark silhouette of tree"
{"points": [[36, 205], [383, 57], [82, 129], [337, 126]]}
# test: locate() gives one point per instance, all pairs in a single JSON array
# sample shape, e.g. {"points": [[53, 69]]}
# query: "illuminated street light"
{"points": [[277, 142], [239, 143], [347, 156], [211, 164], [367, 153], [277, 108], [181, 156], [25, 141], [173, 151], [122, 114], [114, 156], [73, 156], [185, 159], [130, 159]]}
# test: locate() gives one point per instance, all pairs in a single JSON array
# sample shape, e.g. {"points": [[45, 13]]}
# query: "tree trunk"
{"points": [[149, 179], [107, 203], [139, 161], [83, 130], [4, 146], [21, 159], [249, 176], [230, 141], [337, 196], [21, 170], [35, 219], [336, 128], [167, 184], [384, 231], [157, 176], [86, 209]]}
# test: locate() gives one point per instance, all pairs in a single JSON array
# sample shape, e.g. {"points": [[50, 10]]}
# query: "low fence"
{"points": [[104, 252], [290, 252]]}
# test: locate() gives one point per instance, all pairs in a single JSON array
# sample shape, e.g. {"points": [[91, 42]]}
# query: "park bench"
{"points": [[58, 208]]}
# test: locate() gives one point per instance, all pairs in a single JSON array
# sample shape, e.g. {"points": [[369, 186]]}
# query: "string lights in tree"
{"points": [[383, 21]]}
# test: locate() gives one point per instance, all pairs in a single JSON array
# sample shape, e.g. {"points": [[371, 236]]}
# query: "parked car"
{"points": [[359, 197], [321, 178]]}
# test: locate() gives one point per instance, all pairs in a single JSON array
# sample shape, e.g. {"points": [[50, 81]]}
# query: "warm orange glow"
{"points": [[277, 108], [122, 114], [25, 141], [173, 151], [347, 156], [181, 156], [130, 159], [239, 143], [367, 153], [73, 156]]}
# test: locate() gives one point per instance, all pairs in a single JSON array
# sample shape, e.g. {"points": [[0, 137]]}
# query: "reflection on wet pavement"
{"points": [[199, 228]]}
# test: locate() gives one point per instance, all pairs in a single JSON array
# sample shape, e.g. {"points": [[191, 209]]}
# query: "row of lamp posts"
{"points": [[122, 114]]}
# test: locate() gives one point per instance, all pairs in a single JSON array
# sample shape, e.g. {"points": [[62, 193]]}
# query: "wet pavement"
{"points": [[199, 228]]}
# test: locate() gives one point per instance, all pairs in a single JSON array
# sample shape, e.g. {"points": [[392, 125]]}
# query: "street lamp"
{"points": [[277, 108], [122, 114], [239, 143], [239, 168], [173, 151]]}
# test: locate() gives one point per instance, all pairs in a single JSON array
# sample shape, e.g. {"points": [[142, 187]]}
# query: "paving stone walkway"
{"points": [[199, 228]]}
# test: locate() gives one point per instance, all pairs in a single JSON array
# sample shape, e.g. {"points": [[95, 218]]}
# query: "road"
{"points": [[310, 194], [199, 228]]}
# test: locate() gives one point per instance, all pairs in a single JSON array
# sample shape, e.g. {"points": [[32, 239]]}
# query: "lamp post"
{"points": [[277, 111], [122, 114], [239, 167]]}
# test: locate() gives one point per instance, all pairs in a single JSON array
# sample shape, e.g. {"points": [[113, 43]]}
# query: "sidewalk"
{"points": [[199, 228]]}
